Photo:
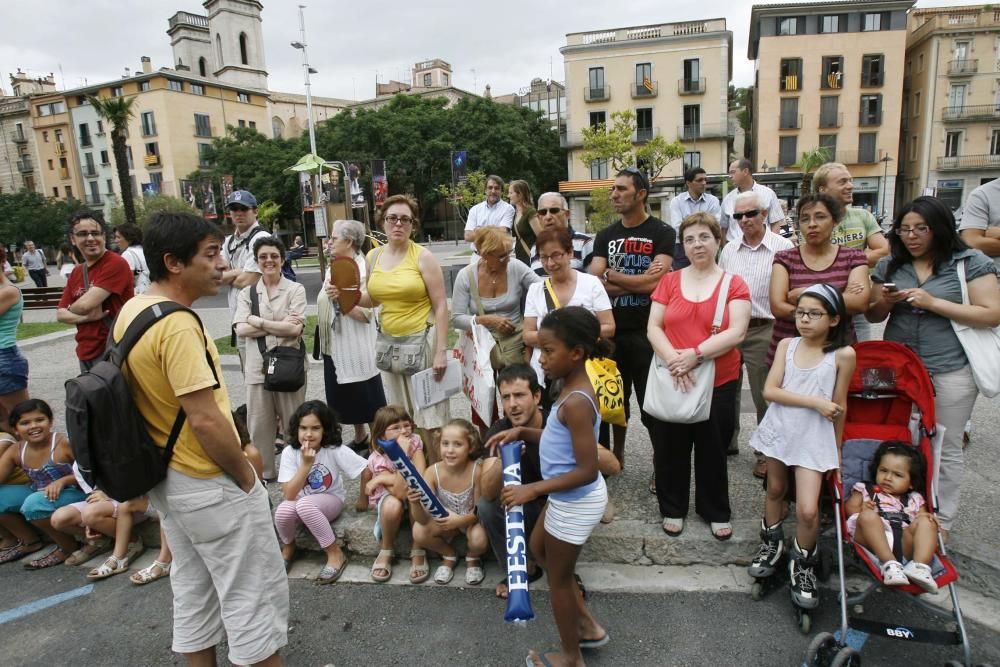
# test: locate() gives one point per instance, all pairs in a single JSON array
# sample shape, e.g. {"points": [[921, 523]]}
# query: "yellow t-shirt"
{"points": [[167, 362], [402, 293]]}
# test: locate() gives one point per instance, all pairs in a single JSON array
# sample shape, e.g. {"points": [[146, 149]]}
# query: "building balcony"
{"points": [[24, 165], [640, 91], [639, 33], [971, 112], [789, 83], [597, 94], [63, 173], [94, 200], [60, 149], [831, 81], [187, 19], [644, 134], [828, 120], [968, 162], [89, 171], [703, 131], [790, 121], [152, 160], [858, 157], [19, 137], [691, 86], [868, 119], [963, 67]]}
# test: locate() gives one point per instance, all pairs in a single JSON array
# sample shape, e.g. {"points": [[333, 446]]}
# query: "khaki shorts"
{"points": [[228, 577]]}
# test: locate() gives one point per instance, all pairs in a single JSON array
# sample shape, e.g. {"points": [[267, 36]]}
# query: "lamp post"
{"points": [[317, 184], [885, 160]]}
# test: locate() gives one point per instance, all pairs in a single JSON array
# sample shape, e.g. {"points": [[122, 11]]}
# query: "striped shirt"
{"points": [[800, 275], [754, 266], [771, 206], [583, 251]]}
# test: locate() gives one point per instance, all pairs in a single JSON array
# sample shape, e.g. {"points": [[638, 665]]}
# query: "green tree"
{"points": [[600, 212], [29, 215], [146, 206], [118, 111], [615, 145], [657, 153], [809, 162], [465, 195], [268, 213]]}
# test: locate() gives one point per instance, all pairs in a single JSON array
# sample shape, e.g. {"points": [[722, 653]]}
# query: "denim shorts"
{"points": [[14, 373]]}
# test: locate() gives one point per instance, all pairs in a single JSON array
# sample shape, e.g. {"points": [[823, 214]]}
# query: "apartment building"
{"points": [[951, 123], [545, 96], [673, 76], [58, 162], [831, 75]]}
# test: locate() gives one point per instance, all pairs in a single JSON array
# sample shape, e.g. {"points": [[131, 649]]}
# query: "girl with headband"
{"points": [[802, 430]]}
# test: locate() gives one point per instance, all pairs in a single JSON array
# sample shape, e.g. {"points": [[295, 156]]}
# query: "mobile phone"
{"points": [[891, 287]]}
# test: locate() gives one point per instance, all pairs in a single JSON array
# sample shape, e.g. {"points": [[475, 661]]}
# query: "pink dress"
{"points": [[379, 463], [889, 504]]}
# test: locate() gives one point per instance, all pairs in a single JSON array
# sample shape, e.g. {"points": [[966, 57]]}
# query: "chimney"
{"points": [[147, 65]]}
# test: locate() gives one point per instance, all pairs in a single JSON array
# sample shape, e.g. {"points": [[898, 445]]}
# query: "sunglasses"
{"points": [[554, 210], [641, 182], [752, 213]]}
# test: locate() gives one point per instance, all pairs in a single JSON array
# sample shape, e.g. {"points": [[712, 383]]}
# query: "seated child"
{"points": [[896, 470], [384, 490], [47, 459], [310, 474], [13, 492], [457, 482]]}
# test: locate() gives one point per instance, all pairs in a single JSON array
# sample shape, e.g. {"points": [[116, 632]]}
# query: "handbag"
{"points": [[669, 404], [509, 349], [981, 345], [603, 373], [284, 366]]}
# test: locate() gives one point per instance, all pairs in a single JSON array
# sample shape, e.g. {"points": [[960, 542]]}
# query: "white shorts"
{"points": [[572, 521]]}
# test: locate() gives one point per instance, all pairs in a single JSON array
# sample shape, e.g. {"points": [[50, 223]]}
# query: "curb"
{"points": [[35, 341]]}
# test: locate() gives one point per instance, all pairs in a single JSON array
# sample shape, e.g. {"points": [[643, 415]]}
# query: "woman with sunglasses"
{"points": [[919, 290], [816, 260]]}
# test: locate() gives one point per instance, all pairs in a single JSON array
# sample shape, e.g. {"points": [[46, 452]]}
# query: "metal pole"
{"points": [[317, 181]]}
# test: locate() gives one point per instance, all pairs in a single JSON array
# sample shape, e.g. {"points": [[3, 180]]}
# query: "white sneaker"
{"points": [[920, 574], [892, 574]]}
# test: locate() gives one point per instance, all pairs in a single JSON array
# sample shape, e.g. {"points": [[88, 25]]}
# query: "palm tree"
{"points": [[809, 162], [117, 112]]}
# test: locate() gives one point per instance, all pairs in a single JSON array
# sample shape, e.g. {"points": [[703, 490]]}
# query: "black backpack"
{"points": [[113, 449]]}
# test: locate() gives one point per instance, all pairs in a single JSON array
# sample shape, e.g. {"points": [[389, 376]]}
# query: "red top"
{"points": [[688, 323], [110, 273]]}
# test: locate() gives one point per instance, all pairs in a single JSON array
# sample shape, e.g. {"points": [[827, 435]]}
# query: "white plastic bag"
{"points": [[473, 352]]}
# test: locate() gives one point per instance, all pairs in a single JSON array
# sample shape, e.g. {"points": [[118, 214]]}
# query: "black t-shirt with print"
{"points": [[631, 251]]}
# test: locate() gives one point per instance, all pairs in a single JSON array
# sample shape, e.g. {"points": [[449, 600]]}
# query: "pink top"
{"points": [[888, 503], [379, 463], [688, 323]]}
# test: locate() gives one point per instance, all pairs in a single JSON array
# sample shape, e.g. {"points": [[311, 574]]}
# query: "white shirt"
{"points": [[754, 265], [482, 214], [771, 205], [684, 205], [237, 250], [589, 293], [324, 476]]}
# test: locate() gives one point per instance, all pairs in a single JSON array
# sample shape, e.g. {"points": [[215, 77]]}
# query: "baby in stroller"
{"points": [[890, 518]]}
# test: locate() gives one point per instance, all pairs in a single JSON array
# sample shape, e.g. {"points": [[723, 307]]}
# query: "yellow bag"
{"points": [[604, 377]]}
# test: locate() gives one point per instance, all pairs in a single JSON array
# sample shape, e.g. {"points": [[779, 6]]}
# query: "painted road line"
{"points": [[44, 603]]}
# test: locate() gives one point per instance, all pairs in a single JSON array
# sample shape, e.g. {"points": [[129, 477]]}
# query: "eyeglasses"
{"points": [[810, 314], [752, 213], [82, 235], [918, 230], [701, 238], [554, 257], [238, 207], [554, 210], [398, 219]]}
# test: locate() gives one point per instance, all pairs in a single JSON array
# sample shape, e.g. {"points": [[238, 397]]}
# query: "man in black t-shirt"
{"points": [[630, 257]]}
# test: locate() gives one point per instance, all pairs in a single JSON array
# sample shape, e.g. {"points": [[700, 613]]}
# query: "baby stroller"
{"points": [[890, 398]]}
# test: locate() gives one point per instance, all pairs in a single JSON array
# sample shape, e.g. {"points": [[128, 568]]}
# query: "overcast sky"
{"points": [[350, 43]]}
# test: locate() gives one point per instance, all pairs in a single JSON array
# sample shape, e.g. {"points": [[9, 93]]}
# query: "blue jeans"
{"points": [[12, 496]]}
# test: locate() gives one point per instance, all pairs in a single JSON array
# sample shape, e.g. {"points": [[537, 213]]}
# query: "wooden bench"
{"points": [[41, 298]]}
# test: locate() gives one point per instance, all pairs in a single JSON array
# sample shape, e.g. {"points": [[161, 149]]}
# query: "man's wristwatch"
{"points": [[699, 355]]}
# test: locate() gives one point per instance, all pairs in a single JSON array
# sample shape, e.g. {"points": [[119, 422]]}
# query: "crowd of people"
{"points": [[681, 306]]}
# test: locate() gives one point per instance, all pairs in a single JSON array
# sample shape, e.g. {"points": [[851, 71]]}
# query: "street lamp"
{"points": [[885, 180]]}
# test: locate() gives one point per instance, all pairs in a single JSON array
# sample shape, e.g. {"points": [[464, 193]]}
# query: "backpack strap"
{"points": [[146, 318], [255, 310]]}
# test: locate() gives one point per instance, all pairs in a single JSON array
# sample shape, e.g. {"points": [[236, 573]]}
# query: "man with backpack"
{"points": [[237, 250], [229, 581]]}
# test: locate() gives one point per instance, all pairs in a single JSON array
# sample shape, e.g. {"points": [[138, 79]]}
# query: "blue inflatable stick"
{"points": [[413, 479], [518, 599]]}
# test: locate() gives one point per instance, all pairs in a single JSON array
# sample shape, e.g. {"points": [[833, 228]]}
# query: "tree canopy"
{"points": [[29, 215], [614, 143]]}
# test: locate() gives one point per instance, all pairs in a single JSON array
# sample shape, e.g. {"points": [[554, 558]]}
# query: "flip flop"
{"points": [[329, 574], [672, 527], [719, 527], [529, 661], [595, 643]]}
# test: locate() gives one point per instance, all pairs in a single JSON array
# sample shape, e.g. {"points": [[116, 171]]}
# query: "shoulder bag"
{"points": [[400, 355], [666, 402], [981, 345], [509, 349], [284, 366]]}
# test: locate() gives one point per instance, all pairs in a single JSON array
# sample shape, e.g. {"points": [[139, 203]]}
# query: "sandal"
{"points": [[18, 551], [48, 560], [146, 574], [90, 549], [652, 485], [718, 530], [330, 574], [418, 573], [444, 574], [384, 567], [110, 567], [474, 574], [672, 527]]}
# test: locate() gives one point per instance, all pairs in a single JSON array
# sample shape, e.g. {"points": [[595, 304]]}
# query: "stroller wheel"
{"points": [[805, 621], [756, 591], [821, 650], [846, 657]]}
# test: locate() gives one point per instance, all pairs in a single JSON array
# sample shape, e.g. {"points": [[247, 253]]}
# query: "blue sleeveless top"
{"points": [[555, 450]]}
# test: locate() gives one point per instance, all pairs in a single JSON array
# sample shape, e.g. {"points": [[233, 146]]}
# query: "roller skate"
{"points": [[767, 559], [805, 592]]}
